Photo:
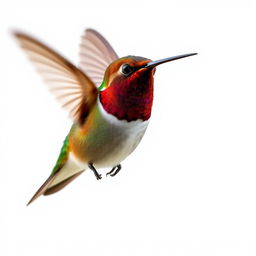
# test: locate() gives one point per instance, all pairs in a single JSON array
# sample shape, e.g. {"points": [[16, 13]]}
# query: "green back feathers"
{"points": [[102, 86], [63, 155]]}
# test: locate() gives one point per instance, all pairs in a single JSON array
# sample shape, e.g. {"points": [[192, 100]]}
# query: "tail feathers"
{"points": [[42, 189], [55, 188], [50, 186], [64, 171]]}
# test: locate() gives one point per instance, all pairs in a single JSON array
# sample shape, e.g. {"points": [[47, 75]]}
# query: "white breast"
{"points": [[126, 136]]}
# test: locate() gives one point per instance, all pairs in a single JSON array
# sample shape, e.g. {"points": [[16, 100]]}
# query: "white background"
{"points": [[190, 187]]}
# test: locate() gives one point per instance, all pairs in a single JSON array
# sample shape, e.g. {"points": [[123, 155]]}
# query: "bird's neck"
{"points": [[130, 101]]}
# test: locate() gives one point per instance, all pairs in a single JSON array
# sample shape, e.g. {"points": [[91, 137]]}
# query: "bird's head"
{"points": [[127, 89]]}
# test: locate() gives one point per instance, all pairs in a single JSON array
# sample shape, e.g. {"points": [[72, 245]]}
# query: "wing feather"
{"points": [[71, 87], [95, 55]]}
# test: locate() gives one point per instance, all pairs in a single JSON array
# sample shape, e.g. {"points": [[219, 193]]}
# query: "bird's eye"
{"points": [[127, 69]]}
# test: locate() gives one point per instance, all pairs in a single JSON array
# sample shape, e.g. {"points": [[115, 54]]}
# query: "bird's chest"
{"points": [[110, 140], [119, 142], [117, 139]]}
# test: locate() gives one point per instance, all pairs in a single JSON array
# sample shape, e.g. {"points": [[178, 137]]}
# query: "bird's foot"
{"points": [[97, 175], [114, 171]]}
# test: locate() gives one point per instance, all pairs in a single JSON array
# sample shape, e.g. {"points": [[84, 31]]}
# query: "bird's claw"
{"points": [[97, 175], [114, 171]]}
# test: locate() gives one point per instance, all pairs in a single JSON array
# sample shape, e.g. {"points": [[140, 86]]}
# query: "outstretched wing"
{"points": [[72, 88], [95, 55]]}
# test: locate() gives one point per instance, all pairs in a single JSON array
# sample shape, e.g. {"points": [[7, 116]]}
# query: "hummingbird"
{"points": [[108, 98]]}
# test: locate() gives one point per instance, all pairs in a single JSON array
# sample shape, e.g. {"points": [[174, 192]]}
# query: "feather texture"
{"points": [[71, 87], [95, 55]]}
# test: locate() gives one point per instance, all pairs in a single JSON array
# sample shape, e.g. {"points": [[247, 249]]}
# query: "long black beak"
{"points": [[155, 63]]}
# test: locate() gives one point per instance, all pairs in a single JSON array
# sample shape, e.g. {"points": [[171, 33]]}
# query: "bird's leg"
{"points": [[115, 170], [97, 175]]}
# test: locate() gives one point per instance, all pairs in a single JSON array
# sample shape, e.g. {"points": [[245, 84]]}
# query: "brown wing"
{"points": [[75, 91], [95, 55]]}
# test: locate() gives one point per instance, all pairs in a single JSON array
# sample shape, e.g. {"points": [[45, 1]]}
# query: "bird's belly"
{"points": [[107, 141], [118, 144]]}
